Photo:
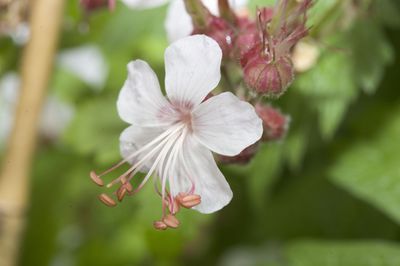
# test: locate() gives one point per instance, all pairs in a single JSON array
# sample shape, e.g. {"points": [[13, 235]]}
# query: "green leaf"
{"points": [[330, 88], [264, 170], [316, 253], [388, 12], [370, 169], [331, 112], [371, 52], [96, 129], [323, 253]]}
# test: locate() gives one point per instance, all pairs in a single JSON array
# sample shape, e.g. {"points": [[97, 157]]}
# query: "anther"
{"points": [[188, 201], [171, 221], [125, 183], [121, 193], [159, 225], [107, 200], [96, 179]]}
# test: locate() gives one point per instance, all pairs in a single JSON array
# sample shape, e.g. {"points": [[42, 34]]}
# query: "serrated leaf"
{"points": [[370, 169]]}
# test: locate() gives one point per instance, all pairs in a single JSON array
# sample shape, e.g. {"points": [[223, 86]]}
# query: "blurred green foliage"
{"points": [[328, 194]]}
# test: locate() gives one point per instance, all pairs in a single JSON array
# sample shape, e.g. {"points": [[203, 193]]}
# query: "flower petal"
{"points": [[140, 100], [212, 5], [178, 23], [134, 138], [226, 125], [142, 4], [208, 180], [192, 66]]}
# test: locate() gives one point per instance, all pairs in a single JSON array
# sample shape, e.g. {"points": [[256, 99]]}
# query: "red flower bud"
{"points": [[248, 36], [267, 76], [220, 30], [92, 5], [275, 123], [242, 158]]}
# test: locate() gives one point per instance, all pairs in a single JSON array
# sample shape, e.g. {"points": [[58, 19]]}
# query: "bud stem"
{"points": [[198, 12], [226, 11]]}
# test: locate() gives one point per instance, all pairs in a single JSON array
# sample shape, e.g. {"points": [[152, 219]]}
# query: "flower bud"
{"points": [[242, 158], [304, 56], [248, 36], [275, 123], [266, 76], [220, 30], [92, 5], [222, 33]]}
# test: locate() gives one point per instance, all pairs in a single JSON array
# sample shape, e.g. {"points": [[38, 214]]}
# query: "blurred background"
{"points": [[328, 194]]}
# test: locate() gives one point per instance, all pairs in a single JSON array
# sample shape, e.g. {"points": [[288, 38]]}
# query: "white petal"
{"points": [[226, 125], [133, 138], [209, 182], [142, 4], [212, 5], [140, 100], [238, 4], [192, 66], [178, 23], [56, 115], [87, 63]]}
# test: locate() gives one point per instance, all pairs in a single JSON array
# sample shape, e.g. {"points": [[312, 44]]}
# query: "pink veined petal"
{"points": [[226, 125], [140, 100], [178, 23], [143, 4], [192, 66], [196, 166]]}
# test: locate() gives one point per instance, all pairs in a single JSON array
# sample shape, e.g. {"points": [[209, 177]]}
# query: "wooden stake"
{"points": [[36, 68]]}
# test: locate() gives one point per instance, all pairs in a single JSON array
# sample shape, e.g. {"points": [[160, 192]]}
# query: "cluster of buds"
{"points": [[275, 124], [171, 205], [267, 66], [218, 28], [261, 45]]}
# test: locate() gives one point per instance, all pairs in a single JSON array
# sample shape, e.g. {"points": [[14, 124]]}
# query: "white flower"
{"points": [[178, 23], [172, 137], [87, 63]]}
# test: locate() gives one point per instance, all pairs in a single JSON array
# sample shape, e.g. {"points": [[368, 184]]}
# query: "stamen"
{"points": [[135, 168], [188, 201], [159, 138], [186, 169], [162, 156], [96, 179], [160, 225], [107, 200], [171, 221], [164, 172], [121, 193]]}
